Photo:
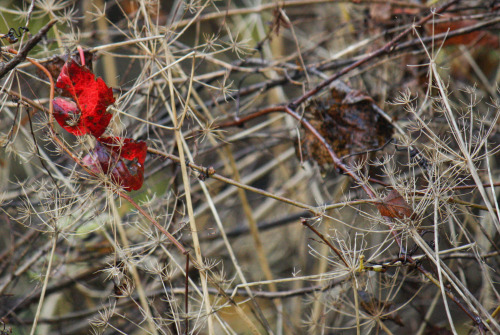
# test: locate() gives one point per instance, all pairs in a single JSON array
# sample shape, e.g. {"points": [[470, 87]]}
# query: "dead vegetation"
{"points": [[312, 167]]}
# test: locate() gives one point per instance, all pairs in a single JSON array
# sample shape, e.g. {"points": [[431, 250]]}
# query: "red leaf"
{"points": [[127, 148], [91, 98], [395, 206], [106, 159]]}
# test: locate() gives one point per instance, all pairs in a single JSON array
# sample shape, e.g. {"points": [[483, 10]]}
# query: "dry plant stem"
{"points": [[356, 304], [235, 183], [39, 153], [265, 294], [133, 269], [339, 164], [218, 290], [63, 146], [254, 230], [428, 315], [21, 55], [318, 308], [51, 110], [189, 205], [208, 184], [384, 50], [438, 264], [241, 276], [463, 147], [372, 195], [325, 240], [45, 283], [172, 239], [452, 280], [186, 297], [108, 61], [284, 4], [311, 209], [329, 65], [336, 161], [447, 35], [384, 327], [218, 221], [239, 310]]}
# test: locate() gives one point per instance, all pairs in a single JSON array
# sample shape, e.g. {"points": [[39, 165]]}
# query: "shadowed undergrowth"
{"points": [[312, 167]]}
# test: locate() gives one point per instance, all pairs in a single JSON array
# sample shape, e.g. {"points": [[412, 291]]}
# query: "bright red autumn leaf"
{"points": [[123, 163], [127, 148], [91, 97]]}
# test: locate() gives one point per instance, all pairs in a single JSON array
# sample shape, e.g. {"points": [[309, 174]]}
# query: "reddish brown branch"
{"points": [[323, 238]]}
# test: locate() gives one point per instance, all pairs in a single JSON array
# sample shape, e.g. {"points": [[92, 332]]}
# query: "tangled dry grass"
{"points": [[324, 167]]}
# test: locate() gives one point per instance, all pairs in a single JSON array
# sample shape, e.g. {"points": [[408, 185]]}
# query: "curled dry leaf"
{"points": [[348, 122], [124, 163], [91, 98], [395, 206]]}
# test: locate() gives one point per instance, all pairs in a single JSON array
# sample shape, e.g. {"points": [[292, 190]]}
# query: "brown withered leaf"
{"points": [[55, 64], [395, 206], [348, 122], [480, 37]]}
